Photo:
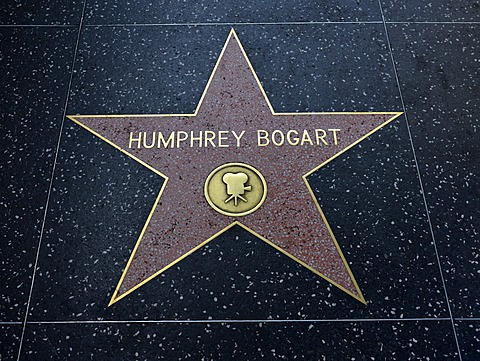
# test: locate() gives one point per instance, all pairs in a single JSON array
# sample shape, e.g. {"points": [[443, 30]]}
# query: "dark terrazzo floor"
{"points": [[404, 204]]}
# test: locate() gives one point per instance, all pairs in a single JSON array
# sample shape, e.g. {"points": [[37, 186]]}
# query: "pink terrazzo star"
{"points": [[233, 102]]}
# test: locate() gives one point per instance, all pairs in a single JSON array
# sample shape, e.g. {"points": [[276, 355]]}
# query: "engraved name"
{"points": [[231, 138]]}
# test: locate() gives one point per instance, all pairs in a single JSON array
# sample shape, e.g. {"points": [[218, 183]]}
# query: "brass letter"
{"points": [[282, 138], [289, 137], [165, 144], [238, 137], [264, 136], [198, 139], [182, 139], [145, 138], [334, 131], [306, 137], [320, 137], [221, 137], [209, 137], [138, 140]]}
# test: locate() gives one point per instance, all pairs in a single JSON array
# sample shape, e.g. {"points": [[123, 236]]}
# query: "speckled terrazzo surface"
{"points": [[403, 204]]}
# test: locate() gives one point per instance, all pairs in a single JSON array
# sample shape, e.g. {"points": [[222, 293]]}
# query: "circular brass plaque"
{"points": [[235, 189]]}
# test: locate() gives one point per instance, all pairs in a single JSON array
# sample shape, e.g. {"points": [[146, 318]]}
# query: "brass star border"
{"points": [[307, 239]]}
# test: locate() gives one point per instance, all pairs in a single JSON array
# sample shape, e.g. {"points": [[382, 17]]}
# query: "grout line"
{"points": [[346, 320], [435, 22], [425, 203], [236, 23], [52, 175], [38, 26], [127, 25], [241, 24], [283, 23], [467, 319], [3, 323]]}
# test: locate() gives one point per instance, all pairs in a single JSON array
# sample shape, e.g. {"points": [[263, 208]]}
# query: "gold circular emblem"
{"points": [[235, 189]]}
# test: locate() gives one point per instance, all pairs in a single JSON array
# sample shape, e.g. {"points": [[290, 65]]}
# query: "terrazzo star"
{"points": [[278, 204]]}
